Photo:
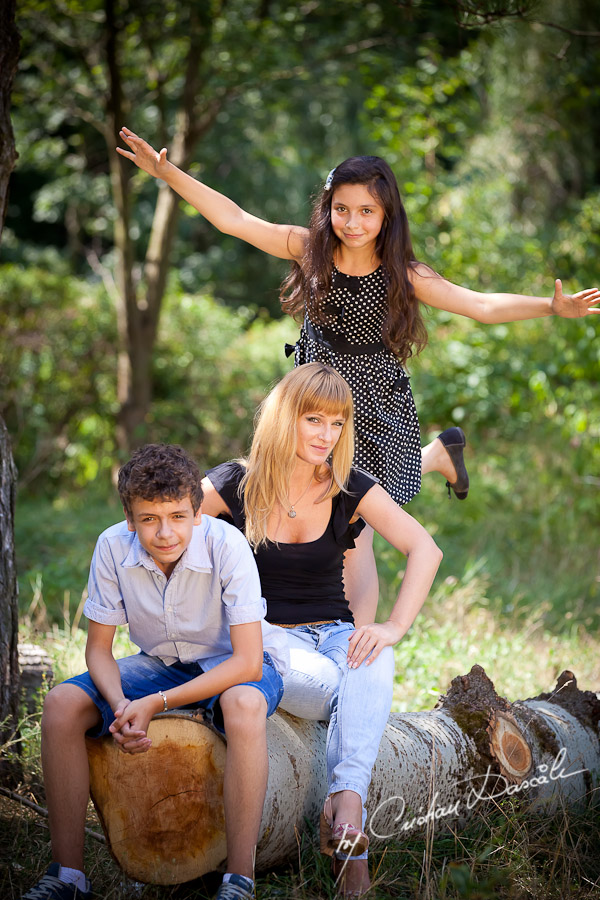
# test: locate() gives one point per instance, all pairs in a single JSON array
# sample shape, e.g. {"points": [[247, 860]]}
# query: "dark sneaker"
{"points": [[50, 888], [237, 888]]}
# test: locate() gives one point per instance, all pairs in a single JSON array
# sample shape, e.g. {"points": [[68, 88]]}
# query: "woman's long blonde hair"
{"points": [[313, 387]]}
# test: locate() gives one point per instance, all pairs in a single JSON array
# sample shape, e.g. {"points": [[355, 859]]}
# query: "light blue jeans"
{"points": [[357, 702]]}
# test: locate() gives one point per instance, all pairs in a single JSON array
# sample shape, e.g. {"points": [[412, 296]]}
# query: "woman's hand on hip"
{"points": [[369, 641]]}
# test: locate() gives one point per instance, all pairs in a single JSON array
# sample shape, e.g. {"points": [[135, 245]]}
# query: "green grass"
{"points": [[507, 853], [55, 540], [458, 629], [528, 530]]}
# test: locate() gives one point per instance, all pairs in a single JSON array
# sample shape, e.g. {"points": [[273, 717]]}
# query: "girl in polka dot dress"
{"points": [[357, 286]]}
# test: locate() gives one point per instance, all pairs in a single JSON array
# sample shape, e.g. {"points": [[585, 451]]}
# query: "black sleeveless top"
{"points": [[301, 582]]}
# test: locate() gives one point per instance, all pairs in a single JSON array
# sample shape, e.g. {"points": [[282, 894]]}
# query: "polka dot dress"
{"points": [[388, 442]]}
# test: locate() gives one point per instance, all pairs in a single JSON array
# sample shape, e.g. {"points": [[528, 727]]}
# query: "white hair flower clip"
{"points": [[329, 180]]}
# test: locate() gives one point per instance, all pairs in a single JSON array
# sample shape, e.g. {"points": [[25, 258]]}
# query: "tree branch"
{"points": [[41, 811], [189, 128], [98, 268], [521, 13], [573, 31]]}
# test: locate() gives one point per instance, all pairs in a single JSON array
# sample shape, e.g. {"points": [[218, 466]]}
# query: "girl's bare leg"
{"points": [[435, 458]]}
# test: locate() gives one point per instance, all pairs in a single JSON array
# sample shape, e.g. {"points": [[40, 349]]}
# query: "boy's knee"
{"points": [[243, 706], [67, 707]]}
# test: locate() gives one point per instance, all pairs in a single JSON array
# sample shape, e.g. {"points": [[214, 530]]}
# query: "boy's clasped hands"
{"points": [[130, 728]]}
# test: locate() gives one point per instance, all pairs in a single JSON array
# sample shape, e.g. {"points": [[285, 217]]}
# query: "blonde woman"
{"points": [[301, 505]]}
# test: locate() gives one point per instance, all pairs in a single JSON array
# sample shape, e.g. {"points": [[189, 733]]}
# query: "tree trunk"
{"points": [[9, 56], [162, 810], [9, 613], [132, 371], [138, 311]]}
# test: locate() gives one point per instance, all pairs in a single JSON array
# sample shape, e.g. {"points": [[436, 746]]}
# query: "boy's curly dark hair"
{"points": [[160, 472]]}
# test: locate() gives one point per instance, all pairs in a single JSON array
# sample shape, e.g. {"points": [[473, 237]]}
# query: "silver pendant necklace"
{"points": [[292, 512]]}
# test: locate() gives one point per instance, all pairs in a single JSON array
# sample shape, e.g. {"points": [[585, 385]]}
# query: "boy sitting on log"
{"points": [[188, 588]]}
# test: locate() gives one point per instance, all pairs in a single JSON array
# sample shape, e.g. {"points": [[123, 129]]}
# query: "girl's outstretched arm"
{"points": [[284, 241], [494, 308], [423, 558]]}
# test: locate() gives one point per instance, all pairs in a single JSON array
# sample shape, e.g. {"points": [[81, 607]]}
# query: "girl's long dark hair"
{"points": [[309, 280]]}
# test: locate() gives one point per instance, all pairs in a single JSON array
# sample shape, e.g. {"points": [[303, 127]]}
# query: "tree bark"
{"points": [[9, 613], [162, 811], [9, 623], [9, 56]]}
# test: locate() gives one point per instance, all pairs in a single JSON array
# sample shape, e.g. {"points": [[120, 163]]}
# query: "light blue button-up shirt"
{"points": [[187, 617]]}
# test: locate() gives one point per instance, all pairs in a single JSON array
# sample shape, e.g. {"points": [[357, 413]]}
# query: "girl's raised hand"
{"points": [[142, 154], [573, 306]]}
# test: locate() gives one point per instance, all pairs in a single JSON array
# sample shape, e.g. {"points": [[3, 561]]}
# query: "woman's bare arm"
{"points": [[423, 558]]}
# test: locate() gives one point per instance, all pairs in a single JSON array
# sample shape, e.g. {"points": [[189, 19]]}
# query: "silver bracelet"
{"points": [[165, 704]]}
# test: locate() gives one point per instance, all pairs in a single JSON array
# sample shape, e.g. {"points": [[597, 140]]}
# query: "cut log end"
{"points": [[157, 837], [508, 747]]}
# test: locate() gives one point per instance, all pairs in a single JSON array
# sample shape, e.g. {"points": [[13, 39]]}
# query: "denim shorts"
{"points": [[143, 674]]}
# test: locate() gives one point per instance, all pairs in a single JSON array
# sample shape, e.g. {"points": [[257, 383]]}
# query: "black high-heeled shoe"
{"points": [[454, 441]]}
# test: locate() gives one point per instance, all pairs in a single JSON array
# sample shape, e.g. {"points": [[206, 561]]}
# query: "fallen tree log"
{"points": [[35, 664], [162, 811]]}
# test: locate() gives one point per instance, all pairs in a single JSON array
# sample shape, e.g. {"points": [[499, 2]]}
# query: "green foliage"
{"points": [[525, 533], [212, 368], [282, 85], [576, 243], [505, 377], [421, 119], [56, 382]]}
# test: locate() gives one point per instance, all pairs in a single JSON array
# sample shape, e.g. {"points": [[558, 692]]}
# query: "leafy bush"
{"points": [[212, 367], [57, 343]]}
